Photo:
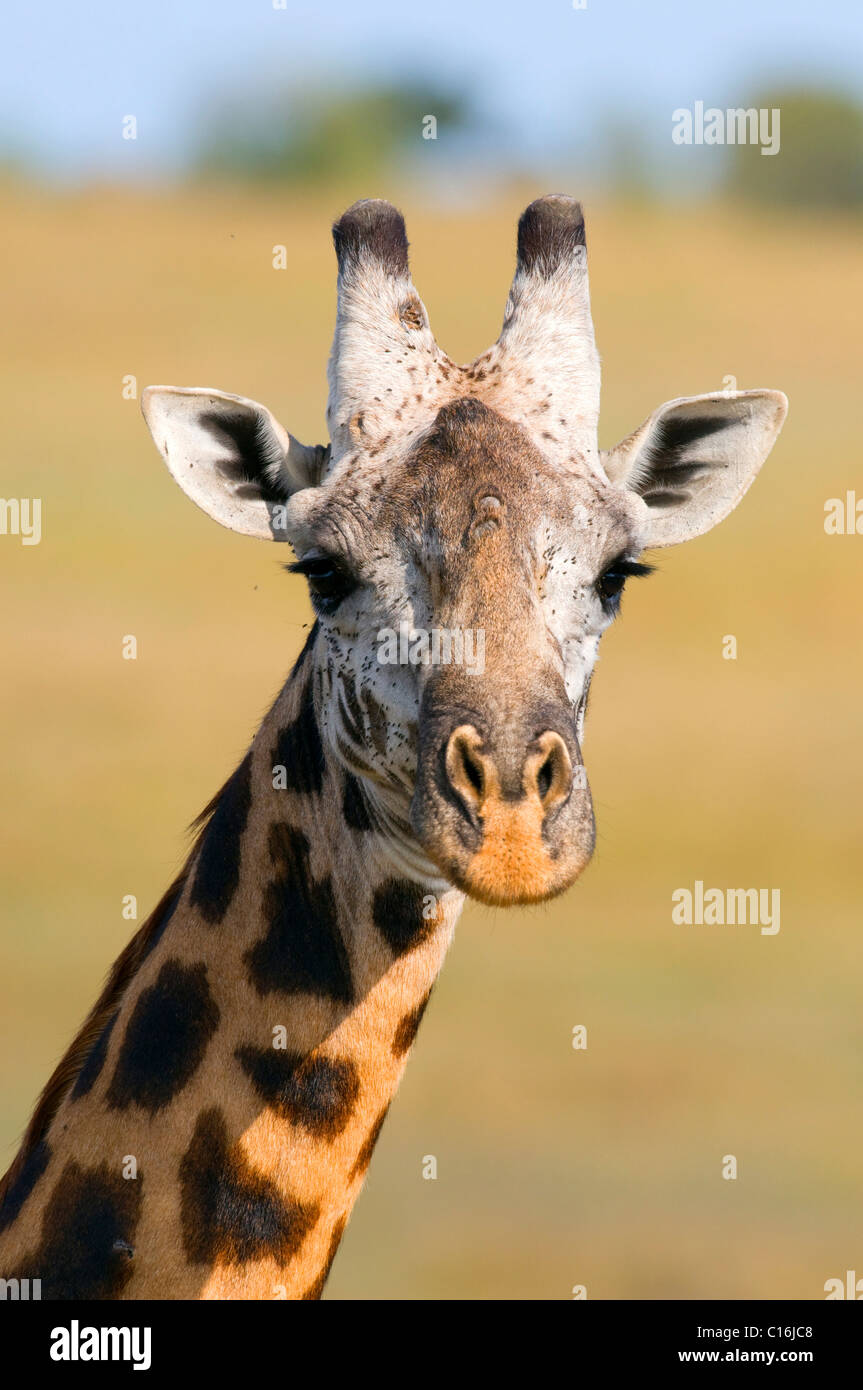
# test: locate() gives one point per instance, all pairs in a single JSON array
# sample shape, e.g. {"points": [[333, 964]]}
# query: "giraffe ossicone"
{"points": [[249, 1041]]}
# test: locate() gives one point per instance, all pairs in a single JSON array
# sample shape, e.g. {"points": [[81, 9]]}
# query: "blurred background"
{"points": [[151, 158]]}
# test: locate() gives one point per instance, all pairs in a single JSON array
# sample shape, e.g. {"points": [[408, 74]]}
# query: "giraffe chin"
{"points": [[512, 891]]}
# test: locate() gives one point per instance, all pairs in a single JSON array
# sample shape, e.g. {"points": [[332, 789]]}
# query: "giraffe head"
{"points": [[465, 543]]}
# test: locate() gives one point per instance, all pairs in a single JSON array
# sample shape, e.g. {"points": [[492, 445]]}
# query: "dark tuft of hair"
{"points": [[375, 230], [549, 231]]}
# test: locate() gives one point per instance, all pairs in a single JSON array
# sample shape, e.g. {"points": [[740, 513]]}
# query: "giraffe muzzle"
{"points": [[509, 820]]}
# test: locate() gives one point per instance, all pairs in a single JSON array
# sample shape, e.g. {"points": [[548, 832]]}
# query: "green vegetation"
{"points": [[820, 162], [323, 137]]}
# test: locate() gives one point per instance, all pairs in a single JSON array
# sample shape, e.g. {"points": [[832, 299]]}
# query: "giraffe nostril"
{"points": [[549, 769], [466, 766], [476, 777], [473, 771], [544, 778]]}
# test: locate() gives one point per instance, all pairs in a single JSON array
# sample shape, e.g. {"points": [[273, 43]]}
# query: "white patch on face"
{"points": [[370, 710], [575, 620], [369, 715], [575, 615]]}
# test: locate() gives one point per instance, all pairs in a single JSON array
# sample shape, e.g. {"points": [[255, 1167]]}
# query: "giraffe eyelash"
{"points": [[631, 568], [329, 581], [609, 585]]}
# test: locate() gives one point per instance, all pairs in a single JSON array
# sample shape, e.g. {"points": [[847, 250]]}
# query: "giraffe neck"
{"points": [[209, 1131]]}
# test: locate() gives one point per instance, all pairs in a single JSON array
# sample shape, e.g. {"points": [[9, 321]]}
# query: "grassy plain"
{"points": [[555, 1167]]}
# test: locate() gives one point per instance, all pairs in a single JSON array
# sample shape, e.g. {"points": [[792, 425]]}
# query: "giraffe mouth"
{"points": [[514, 864], [509, 876]]}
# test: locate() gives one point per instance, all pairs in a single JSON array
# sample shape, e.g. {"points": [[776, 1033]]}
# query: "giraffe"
{"points": [[208, 1131]]}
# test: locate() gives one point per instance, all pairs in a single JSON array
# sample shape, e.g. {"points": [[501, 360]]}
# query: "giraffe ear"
{"points": [[694, 458], [230, 455]]}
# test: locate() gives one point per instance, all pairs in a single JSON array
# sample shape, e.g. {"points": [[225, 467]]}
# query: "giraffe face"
{"points": [[465, 543], [461, 589]]}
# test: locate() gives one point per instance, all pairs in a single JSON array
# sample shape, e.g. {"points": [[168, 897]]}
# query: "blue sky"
{"points": [[544, 75]]}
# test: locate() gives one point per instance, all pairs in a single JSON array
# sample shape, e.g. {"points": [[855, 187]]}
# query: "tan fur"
{"points": [[314, 1171], [513, 865]]}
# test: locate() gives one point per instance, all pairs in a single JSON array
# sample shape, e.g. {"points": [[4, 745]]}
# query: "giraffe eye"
{"points": [[329, 582], [610, 583]]}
